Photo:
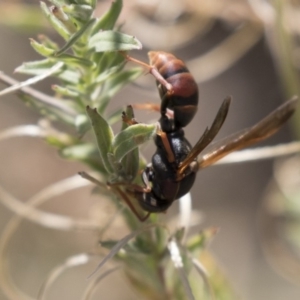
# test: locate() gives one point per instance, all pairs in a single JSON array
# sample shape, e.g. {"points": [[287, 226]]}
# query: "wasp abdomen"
{"points": [[184, 99]]}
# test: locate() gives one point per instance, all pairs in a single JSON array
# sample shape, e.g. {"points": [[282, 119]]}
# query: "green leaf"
{"points": [[93, 3], [108, 60], [33, 80], [70, 76], [58, 2], [47, 42], [104, 136], [106, 74], [64, 18], [75, 37], [40, 67], [130, 162], [51, 112], [60, 140], [113, 41], [199, 241], [108, 244], [75, 60], [81, 12], [36, 67], [82, 124], [40, 48], [64, 91], [115, 83], [108, 20], [86, 153], [132, 137], [56, 24]]}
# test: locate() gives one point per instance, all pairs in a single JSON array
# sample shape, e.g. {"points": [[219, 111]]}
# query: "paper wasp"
{"points": [[175, 163]]}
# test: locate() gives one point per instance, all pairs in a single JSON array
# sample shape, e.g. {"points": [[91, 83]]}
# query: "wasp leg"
{"points": [[167, 146], [147, 106], [123, 196], [130, 186], [135, 190], [151, 70], [92, 179], [118, 192], [153, 107]]}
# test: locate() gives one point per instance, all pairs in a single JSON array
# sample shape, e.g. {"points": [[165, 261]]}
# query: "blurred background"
{"points": [[247, 49]]}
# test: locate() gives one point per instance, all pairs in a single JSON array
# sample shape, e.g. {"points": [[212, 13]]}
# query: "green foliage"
{"points": [[131, 137], [104, 136], [92, 73]]}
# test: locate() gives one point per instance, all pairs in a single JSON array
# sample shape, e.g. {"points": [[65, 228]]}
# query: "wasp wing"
{"points": [[207, 136], [260, 131]]}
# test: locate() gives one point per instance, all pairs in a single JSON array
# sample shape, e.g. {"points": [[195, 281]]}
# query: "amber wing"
{"points": [[260, 131]]}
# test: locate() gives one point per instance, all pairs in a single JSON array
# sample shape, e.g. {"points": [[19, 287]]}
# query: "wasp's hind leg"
{"points": [[132, 190], [124, 196]]}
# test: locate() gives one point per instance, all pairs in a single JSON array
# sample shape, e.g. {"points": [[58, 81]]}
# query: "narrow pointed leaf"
{"points": [[120, 244], [57, 25], [132, 137], [58, 13], [43, 65], [75, 60], [75, 37], [40, 48], [47, 105], [130, 162], [199, 241], [106, 74], [58, 2], [81, 12], [113, 41], [46, 41], [32, 80], [82, 124], [86, 153], [70, 76], [116, 82], [64, 91], [108, 20], [104, 136]]}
